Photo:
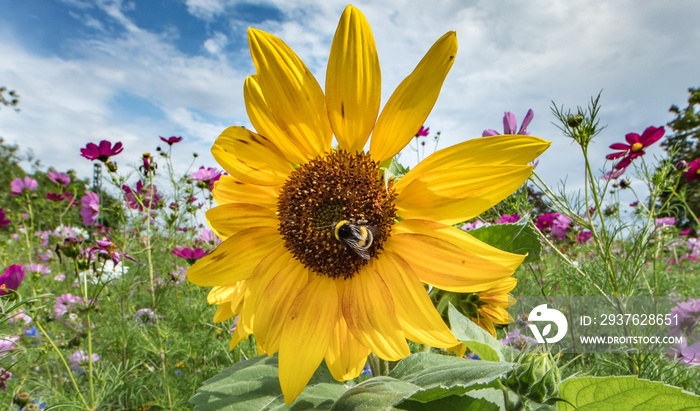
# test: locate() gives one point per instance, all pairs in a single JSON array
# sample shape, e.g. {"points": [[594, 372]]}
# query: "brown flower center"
{"points": [[332, 206]]}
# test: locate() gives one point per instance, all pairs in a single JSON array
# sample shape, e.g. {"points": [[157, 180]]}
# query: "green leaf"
{"points": [[375, 394], [514, 238], [454, 402], [253, 384], [623, 394], [441, 376], [477, 339]]}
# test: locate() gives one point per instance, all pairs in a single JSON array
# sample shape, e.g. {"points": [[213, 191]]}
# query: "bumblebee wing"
{"points": [[357, 247]]}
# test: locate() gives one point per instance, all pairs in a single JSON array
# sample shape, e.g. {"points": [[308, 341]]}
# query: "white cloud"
{"points": [[216, 43]]}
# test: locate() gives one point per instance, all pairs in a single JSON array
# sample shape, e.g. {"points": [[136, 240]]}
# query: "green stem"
{"points": [[63, 360], [149, 255], [89, 332]]}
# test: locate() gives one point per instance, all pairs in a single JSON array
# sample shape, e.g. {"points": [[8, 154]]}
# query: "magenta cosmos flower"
{"points": [[510, 124], [18, 185], [693, 172], [12, 278], [635, 146], [189, 254], [423, 132], [91, 207], [101, 152], [62, 179], [4, 221], [171, 140]]}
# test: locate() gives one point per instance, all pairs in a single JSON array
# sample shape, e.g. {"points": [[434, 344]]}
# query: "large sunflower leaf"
{"points": [[426, 379], [253, 384], [477, 339], [514, 238], [626, 393]]}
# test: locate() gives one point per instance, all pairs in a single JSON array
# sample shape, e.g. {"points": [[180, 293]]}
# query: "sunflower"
{"points": [[281, 266]]}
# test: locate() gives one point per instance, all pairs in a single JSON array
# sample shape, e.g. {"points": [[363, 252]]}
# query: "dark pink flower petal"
{"points": [[620, 146], [632, 138], [12, 278], [651, 135]]}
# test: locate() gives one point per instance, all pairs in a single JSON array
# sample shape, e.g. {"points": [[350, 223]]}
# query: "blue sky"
{"points": [[133, 70]]}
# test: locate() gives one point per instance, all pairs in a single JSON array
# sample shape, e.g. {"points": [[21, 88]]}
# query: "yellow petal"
{"points": [[258, 282], [496, 150], [264, 122], [459, 194], [238, 335], [236, 258], [346, 356], [250, 157], [486, 324], [412, 101], [462, 240], [278, 297], [497, 315], [229, 190], [292, 93], [223, 313], [219, 294], [353, 81], [228, 219], [307, 334], [367, 306], [419, 319], [441, 257]]}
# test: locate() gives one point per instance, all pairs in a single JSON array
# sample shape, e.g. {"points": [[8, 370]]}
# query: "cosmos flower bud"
{"points": [[111, 166], [681, 165], [574, 120]]}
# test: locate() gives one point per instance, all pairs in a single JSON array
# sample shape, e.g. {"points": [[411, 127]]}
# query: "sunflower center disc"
{"points": [[334, 187]]}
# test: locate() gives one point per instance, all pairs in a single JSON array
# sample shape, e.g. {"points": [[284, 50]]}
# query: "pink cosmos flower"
{"points": [[64, 303], [614, 174], [7, 344], [105, 248], [148, 198], [91, 207], [37, 268], [206, 177], [423, 132], [583, 237], [545, 221], [101, 152], [18, 185], [189, 254], [12, 278], [58, 197], [4, 222], [508, 218], [510, 125], [4, 376], [635, 146], [62, 179], [79, 360], [665, 222], [693, 172], [560, 225], [171, 140]]}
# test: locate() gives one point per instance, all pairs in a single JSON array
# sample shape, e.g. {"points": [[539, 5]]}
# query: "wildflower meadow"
{"points": [[311, 268]]}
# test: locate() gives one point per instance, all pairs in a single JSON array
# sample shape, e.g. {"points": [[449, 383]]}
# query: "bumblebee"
{"points": [[356, 235]]}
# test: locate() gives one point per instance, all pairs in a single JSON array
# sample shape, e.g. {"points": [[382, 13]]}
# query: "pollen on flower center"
{"points": [[334, 187], [636, 147]]}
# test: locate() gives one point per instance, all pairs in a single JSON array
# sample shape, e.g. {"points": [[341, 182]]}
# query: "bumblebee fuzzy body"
{"points": [[357, 236]]}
